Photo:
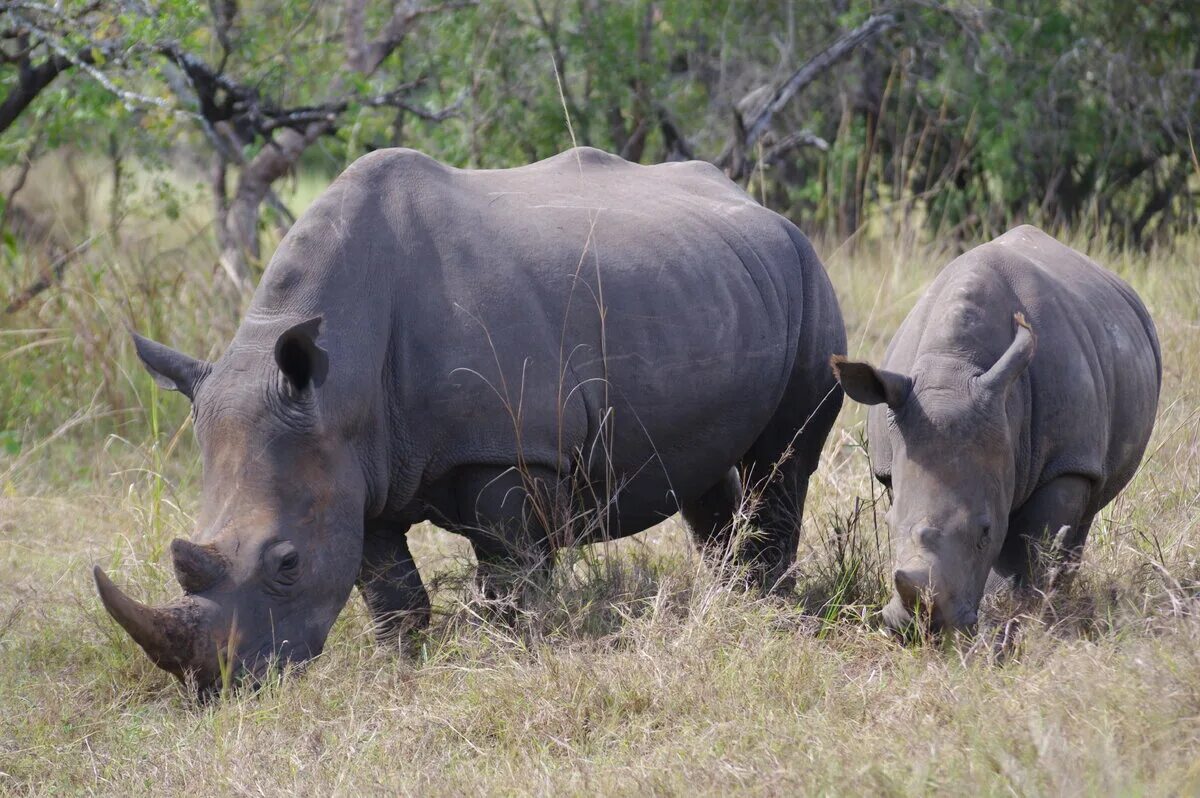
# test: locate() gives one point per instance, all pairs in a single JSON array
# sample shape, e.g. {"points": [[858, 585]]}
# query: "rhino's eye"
{"points": [[286, 565], [985, 536]]}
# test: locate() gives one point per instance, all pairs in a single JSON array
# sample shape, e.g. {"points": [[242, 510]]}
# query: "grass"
{"points": [[639, 674]]}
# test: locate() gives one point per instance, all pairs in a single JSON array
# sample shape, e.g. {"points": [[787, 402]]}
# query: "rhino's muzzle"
{"points": [[173, 636], [916, 598]]}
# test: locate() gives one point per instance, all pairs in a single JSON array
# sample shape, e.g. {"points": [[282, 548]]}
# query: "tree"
{"points": [[260, 100], [964, 116], [264, 135]]}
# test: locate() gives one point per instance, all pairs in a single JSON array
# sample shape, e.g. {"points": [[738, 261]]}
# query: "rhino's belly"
{"points": [[641, 425], [648, 366]]}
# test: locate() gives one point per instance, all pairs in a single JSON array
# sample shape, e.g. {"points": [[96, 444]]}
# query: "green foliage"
{"points": [[969, 115], [959, 120], [1074, 108]]}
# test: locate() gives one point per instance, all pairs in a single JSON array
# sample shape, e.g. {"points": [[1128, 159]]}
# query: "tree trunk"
{"points": [[240, 249], [238, 219]]}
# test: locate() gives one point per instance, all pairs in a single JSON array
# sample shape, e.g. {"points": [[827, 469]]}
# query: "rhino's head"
{"points": [[952, 476], [279, 538]]}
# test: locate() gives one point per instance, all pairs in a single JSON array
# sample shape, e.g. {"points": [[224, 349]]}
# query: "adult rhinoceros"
{"points": [[453, 345], [990, 450]]}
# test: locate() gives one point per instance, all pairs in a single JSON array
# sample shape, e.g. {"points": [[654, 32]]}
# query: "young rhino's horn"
{"points": [[1014, 360], [197, 567]]}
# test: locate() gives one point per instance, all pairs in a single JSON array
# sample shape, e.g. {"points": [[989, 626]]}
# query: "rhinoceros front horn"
{"points": [[162, 633], [197, 567]]}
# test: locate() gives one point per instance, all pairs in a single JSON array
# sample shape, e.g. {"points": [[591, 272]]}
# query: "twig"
{"points": [[18, 184], [84, 61], [753, 128], [49, 277]]}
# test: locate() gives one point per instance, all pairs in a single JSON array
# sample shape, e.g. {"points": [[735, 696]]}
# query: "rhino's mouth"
{"points": [[253, 671], [899, 619]]}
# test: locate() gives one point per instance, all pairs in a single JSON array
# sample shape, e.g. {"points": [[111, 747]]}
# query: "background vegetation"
{"points": [[153, 154]]}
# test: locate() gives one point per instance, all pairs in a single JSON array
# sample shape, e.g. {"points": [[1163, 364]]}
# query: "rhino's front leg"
{"points": [[1033, 552], [391, 586]]}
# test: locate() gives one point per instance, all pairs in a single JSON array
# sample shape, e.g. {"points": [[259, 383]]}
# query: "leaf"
{"points": [[10, 442]]}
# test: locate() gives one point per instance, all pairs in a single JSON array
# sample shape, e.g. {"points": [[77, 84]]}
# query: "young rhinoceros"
{"points": [[988, 449]]}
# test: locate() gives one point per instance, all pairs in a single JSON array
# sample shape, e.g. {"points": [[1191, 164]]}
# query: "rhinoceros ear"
{"points": [[868, 385], [1014, 361], [298, 356], [171, 370]]}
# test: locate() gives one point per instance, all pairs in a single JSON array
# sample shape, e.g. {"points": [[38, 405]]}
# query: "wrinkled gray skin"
{"points": [[427, 344], [994, 432]]}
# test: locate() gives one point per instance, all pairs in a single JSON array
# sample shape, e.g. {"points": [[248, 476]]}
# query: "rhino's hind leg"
{"points": [[391, 586], [778, 467], [1033, 551], [710, 519], [507, 578], [763, 556], [770, 552]]}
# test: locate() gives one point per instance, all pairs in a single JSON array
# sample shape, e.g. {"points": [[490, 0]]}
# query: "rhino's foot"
{"points": [[754, 559], [509, 583]]}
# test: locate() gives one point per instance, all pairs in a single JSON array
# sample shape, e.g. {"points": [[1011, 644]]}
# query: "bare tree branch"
{"points": [[30, 82], [803, 138], [53, 274], [18, 183], [85, 60], [365, 57], [749, 131], [290, 131], [33, 79]]}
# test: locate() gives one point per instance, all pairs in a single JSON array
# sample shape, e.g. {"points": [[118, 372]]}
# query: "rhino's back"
{"points": [[1093, 383], [583, 282]]}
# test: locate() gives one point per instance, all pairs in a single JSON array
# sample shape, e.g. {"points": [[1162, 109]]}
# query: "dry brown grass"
{"points": [[639, 673]]}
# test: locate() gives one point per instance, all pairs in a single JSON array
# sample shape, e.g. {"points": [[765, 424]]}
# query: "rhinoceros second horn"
{"points": [[197, 567]]}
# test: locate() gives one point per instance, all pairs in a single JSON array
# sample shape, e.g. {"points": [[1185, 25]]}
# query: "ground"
{"points": [[639, 674]]}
